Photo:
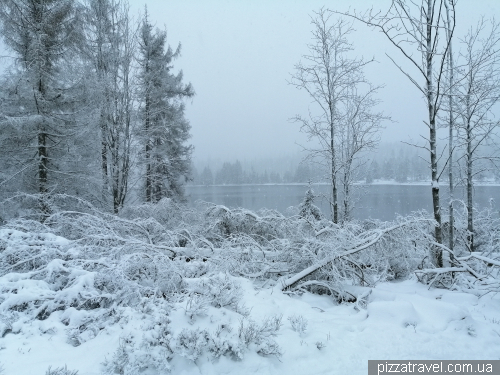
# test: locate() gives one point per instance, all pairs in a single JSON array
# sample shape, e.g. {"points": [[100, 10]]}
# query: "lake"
{"points": [[376, 201]]}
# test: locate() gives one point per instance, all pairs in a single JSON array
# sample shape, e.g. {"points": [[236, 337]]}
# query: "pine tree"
{"points": [[167, 158]]}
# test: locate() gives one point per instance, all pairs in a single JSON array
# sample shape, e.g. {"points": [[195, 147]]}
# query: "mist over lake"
{"points": [[375, 201]]}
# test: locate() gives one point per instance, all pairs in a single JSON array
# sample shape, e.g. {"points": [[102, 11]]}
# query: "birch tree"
{"points": [[359, 133], [478, 99], [342, 123], [451, 127], [419, 31]]}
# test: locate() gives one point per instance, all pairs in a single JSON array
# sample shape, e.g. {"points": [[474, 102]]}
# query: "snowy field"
{"points": [[402, 320]]}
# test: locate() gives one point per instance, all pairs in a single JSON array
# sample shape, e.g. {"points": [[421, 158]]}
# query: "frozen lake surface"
{"points": [[376, 201]]}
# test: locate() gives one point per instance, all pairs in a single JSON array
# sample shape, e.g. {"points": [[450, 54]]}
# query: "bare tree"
{"points": [[419, 31], [451, 128], [342, 124], [111, 48], [359, 133], [478, 97]]}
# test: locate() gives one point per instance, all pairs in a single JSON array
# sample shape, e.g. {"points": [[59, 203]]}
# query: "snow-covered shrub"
{"points": [[477, 271], [222, 223], [27, 251], [307, 208], [320, 345], [155, 348], [298, 323], [190, 343], [37, 207], [60, 371], [196, 305], [84, 325], [398, 253], [487, 231], [120, 363], [220, 343], [218, 291], [151, 350], [167, 212], [6, 321], [261, 335]]}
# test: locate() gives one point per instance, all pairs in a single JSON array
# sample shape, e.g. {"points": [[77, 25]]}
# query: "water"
{"points": [[382, 202]]}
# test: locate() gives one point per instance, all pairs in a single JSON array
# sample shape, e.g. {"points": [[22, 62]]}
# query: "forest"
{"points": [[104, 268]]}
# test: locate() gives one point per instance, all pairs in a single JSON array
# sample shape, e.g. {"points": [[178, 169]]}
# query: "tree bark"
{"points": [[470, 216], [432, 137], [450, 135]]}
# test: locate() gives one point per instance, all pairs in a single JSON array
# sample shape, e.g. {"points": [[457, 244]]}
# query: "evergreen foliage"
{"points": [[77, 117], [166, 157]]}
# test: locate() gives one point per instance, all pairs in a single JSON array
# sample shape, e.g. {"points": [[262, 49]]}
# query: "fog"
{"points": [[240, 54]]}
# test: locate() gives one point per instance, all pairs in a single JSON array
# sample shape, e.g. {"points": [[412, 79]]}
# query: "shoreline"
{"points": [[359, 183]]}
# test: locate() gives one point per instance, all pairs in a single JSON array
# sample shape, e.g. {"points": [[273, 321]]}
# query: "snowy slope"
{"points": [[402, 320]]}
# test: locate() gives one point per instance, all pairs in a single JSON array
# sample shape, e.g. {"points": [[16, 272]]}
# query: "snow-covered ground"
{"points": [[402, 320], [168, 290]]}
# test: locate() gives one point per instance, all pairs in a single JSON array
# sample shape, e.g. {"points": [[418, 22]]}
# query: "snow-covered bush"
{"points": [[151, 349], [261, 335], [307, 208], [220, 291], [298, 323], [487, 236], [190, 343], [96, 269], [60, 371], [27, 251], [222, 223], [158, 345]]}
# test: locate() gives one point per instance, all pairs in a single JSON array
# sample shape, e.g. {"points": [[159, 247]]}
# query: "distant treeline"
{"points": [[393, 162]]}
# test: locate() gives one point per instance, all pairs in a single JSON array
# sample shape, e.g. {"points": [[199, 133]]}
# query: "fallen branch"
{"points": [[367, 239], [480, 257]]}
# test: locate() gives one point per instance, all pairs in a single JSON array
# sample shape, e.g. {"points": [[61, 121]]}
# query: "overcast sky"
{"points": [[239, 54]]}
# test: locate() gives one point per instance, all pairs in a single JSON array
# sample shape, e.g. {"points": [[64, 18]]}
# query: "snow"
{"points": [[124, 302], [403, 320]]}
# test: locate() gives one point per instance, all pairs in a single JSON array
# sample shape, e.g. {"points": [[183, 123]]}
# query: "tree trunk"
{"points": [[334, 187], [432, 138], [42, 153], [334, 173], [450, 135], [149, 171], [42, 160], [470, 223], [104, 148]]}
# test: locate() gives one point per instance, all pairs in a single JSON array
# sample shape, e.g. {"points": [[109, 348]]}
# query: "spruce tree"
{"points": [[166, 156], [38, 95]]}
